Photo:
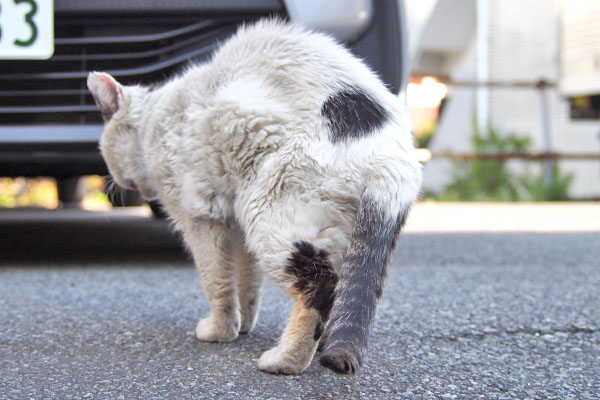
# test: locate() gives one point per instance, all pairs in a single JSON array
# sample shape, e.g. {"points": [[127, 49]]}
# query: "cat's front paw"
{"points": [[275, 361], [209, 330]]}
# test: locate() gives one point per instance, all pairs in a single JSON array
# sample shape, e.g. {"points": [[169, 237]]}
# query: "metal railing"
{"points": [[547, 156]]}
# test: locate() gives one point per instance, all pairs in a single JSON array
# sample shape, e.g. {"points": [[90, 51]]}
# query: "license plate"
{"points": [[26, 29]]}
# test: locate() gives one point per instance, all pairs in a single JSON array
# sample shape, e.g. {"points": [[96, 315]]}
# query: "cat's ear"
{"points": [[107, 92]]}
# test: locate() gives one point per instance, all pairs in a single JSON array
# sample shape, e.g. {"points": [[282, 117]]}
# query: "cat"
{"points": [[285, 155]]}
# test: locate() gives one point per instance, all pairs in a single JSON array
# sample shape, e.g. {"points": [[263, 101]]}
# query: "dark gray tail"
{"points": [[360, 286]]}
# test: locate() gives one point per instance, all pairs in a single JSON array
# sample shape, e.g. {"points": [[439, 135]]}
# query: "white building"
{"points": [[509, 40]]}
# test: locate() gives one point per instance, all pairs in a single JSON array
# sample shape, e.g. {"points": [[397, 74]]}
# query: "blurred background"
{"points": [[504, 95], [518, 79]]}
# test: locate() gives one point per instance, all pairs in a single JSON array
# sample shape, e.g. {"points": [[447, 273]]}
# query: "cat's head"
{"points": [[121, 140]]}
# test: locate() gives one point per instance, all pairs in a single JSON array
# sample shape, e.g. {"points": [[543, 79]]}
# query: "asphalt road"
{"points": [[103, 306]]}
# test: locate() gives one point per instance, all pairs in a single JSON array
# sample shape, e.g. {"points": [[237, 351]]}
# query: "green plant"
{"points": [[424, 138], [487, 179], [539, 189], [491, 180]]}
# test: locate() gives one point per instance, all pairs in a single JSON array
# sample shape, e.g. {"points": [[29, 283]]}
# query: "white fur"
{"points": [[237, 148]]}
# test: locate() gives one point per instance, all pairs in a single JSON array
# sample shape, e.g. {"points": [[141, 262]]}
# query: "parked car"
{"points": [[49, 124]]}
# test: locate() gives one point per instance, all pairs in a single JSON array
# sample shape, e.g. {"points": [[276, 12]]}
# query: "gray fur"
{"points": [[360, 286]]}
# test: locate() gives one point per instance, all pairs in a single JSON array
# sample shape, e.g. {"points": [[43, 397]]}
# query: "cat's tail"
{"points": [[362, 274]]}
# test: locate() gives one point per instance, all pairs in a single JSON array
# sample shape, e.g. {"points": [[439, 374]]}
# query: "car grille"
{"points": [[135, 49]]}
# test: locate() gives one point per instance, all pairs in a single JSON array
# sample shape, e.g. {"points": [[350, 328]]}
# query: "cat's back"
{"points": [[279, 42], [290, 56], [318, 96]]}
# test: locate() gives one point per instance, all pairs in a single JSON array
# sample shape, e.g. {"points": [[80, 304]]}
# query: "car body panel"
{"points": [[49, 124]]}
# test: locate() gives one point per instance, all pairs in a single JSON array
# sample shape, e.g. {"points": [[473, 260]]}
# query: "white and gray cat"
{"points": [[285, 155]]}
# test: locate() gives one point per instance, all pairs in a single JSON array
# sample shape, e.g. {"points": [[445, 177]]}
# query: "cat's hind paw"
{"points": [[247, 326], [208, 330], [249, 317], [275, 361]]}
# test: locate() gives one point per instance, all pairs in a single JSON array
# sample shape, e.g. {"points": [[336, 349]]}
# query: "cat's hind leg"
{"points": [[250, 282], [212, 245], [310, 279]]}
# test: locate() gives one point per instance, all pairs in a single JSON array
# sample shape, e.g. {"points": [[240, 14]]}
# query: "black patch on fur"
{"points": [[315, 278], [363, 274], [352, 114]]}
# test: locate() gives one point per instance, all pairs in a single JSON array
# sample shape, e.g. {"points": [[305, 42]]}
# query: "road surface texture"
{"points": [[482, 302]]}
